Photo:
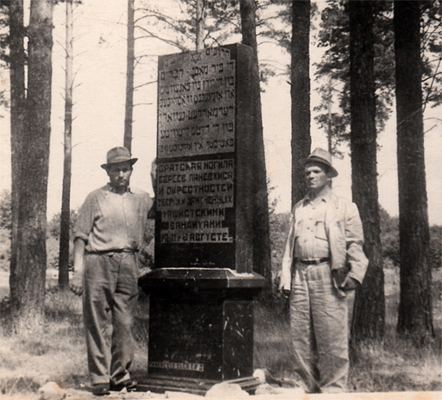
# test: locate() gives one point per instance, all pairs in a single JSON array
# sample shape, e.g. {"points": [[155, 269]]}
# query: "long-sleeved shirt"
{"points": [[108, 221]]}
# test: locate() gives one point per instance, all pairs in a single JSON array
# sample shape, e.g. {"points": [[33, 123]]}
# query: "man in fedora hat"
{"points": [[323, 260], [108, 234]]}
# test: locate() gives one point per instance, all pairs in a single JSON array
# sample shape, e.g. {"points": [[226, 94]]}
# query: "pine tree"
{"points": [[300, 95], [369, 307], [63, 259], [261, 227], [30, 126], [415, 306]]}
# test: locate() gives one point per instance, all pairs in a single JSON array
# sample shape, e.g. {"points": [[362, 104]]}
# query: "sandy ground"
{"points": [[283, 394]]}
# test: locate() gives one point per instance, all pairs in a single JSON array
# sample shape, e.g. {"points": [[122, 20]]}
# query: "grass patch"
{"points": [[27, 362], [394, 365], [272, 346]]}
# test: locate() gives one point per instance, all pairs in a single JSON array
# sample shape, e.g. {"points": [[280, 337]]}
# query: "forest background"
{"points": [[100, 43], [99, 96]]}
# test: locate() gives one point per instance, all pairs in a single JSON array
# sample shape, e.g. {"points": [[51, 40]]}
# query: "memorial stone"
{"points": [[203, 284]]}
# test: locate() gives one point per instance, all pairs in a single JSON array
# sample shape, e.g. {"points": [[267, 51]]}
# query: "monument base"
{"points": [[161, 384], [200, 328]]}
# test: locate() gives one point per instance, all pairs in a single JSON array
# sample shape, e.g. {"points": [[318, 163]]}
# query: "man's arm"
{"points": [[77, 279], [153, 177], [287, 258], [354, 236], [89, 211]]}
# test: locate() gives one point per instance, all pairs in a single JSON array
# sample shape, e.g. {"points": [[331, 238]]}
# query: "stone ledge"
{"points": [[371, 396]]}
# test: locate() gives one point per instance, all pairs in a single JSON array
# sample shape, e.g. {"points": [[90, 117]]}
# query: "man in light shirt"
{"points": [[107, 237], [323, 259]]}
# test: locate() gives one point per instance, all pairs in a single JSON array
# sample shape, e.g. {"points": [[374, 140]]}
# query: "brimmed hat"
{"points": [[118, 155], [323, 157]]}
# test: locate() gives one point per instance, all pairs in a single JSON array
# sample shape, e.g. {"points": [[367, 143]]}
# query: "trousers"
{"points": [[110, 289], [319, 329]]}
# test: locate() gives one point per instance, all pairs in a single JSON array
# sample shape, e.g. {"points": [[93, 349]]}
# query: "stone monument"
{"points": [[203, 285]]}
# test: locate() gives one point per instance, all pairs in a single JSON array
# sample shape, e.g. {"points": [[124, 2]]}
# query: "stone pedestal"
{"points": [[201, 329]]}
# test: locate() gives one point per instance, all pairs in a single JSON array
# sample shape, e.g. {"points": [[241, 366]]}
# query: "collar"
{"points": [[324, 195], [109, 189]]}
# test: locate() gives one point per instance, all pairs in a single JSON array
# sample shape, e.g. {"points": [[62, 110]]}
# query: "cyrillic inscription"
{"points": [[175, 365], [193, 198]]}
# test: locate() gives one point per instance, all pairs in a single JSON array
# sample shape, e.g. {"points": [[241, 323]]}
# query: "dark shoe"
{"points": [[100, 389], [130, 386]]}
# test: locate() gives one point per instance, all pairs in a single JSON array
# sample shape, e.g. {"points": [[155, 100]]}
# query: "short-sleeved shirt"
{"points": [[108, 221], [311, 240], [341, 227]]}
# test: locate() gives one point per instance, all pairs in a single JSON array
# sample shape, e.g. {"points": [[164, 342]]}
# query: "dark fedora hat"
{"points": [[323, 157], [118, 155]]}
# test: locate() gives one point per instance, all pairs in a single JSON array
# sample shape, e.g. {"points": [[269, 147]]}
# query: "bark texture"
{"points": [[17, 79], [261, 228], [130, 66], [63, 260], [415, 308], [27, 283], [369, 307], [199, 27], [300, 95]]}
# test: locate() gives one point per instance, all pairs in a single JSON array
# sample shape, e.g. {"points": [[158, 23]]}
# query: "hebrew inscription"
{"points": [[196, 104]]}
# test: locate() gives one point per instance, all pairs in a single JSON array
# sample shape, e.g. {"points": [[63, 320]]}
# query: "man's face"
{"points": [[119, 175], [316, 176]]}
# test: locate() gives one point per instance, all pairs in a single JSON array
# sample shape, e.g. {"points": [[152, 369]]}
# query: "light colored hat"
{"points": [[118, 155], [323, 157]]}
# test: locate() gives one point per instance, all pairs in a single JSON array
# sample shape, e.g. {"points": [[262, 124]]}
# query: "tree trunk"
{"points": [[128, 118], [369, 307], [63, 263], [415, 308], [261, 239], [17, 77], [199, 28], [300, 95], [28, 290]]}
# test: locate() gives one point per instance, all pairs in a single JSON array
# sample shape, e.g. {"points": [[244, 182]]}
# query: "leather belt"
{"points": [[315, 261], [110, 252]]}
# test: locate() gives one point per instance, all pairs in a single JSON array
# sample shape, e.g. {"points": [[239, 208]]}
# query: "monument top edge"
{"points": [[226, 50]]}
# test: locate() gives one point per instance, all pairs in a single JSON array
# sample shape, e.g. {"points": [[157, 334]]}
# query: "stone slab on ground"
{"points": [[374, 396]]}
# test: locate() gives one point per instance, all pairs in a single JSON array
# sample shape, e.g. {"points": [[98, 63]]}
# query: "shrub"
{"points": [[5, 249], [53, 227], [390, 240], [279, 227], [5, 210], [435, 254]]}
